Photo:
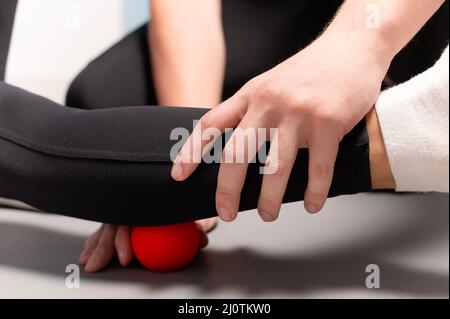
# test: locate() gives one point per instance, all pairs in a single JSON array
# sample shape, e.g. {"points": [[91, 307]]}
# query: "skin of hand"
{"points": [[313, 99], [291, 98], [179, 61]]}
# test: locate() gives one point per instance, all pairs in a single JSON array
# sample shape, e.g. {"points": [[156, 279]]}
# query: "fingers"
{"points": [[276, 174], [323, 151], [226, 115], [99, 247], [95, 235], [238, 152], [89, 246], [123, 245], [104, 251], [322, 141]]}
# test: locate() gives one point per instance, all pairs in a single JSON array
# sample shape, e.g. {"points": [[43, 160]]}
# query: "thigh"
{"points": [[7, 13], [256, 40], [119, 77], [261, 35], [122, 75]]}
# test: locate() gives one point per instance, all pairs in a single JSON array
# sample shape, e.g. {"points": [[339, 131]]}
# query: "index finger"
{"points": [[226, 115]]}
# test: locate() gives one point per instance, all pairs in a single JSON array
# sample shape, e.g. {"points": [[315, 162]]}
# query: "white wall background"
{"points": [[54, 39]]}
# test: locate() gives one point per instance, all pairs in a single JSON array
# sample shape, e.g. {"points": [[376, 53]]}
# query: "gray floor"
{"points": [[300, 256]]}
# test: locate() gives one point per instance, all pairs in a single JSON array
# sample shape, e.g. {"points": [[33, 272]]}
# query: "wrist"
{"points": [[368, 46], [378, 42]]}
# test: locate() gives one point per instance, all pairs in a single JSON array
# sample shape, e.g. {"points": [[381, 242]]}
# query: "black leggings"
{"points": [[113, 165], [258, 35], [7, 12]]}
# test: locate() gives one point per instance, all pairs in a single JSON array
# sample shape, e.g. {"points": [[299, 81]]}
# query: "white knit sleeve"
{"points": [[414, 120]]}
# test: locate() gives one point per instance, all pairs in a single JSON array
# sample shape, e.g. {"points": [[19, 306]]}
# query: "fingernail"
{"points": [[266, 216], [311, 208], [177, 171], [225, 214]]}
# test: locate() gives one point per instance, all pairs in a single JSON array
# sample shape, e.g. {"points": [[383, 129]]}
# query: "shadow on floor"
{"points": [[47, 251]]}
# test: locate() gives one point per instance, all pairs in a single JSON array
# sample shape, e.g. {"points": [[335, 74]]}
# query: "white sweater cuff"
{"points": [[414, 120]]}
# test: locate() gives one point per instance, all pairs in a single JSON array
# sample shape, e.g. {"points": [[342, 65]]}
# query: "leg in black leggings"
{"points": [[122, 75], [113, 165], [119, 77], [7, 12], [258, 36]]}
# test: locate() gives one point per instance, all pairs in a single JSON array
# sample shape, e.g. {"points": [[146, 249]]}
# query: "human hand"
{"points": [[313, 99], [101, 246]]}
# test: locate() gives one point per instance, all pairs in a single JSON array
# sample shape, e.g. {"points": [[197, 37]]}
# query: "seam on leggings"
{"points": [[84, 153]]}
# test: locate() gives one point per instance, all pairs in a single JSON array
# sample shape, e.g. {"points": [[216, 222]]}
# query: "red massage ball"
{"points": [[166, 248]]}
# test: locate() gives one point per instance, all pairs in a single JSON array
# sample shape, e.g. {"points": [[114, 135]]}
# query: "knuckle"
{"points": [[279, 168], [299, 105], [330, 120], [206, 121], [326, 117], [294, 108], [225, 191], [267, 92], [320, 170], [303, 100], [248, 87]]}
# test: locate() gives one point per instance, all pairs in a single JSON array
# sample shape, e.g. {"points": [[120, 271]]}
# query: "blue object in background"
{"points": [[135, 13]]}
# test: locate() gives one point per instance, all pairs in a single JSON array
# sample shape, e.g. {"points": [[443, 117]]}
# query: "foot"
{"points": [[111, 240], [207, 224]]}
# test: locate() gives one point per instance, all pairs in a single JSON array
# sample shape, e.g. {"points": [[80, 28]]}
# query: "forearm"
{"points": [[381, 28], [187, 52]]}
